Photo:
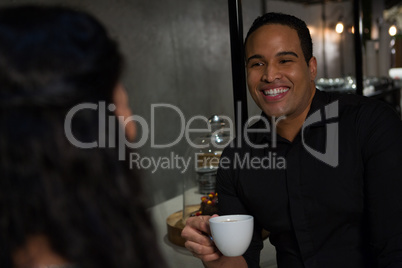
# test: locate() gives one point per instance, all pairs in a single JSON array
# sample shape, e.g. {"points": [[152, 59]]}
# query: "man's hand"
{"points": [[198, 238], [198, 241]]}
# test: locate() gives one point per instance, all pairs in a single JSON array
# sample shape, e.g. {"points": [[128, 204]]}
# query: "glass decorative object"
{"points": [[200, 179]]}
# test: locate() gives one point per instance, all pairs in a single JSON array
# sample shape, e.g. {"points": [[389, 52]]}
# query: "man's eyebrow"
{"points": [[279, 54], [257, 56], [286, 53]]}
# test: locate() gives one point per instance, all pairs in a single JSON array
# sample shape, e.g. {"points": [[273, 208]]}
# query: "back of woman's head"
{"points": [[52, 55], [84, 201]]}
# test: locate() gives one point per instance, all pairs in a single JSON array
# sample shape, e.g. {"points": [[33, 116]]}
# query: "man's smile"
{"points": [[275, 93]]}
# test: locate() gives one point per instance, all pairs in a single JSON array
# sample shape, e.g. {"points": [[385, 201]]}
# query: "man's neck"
{"points": [[289, 127]]}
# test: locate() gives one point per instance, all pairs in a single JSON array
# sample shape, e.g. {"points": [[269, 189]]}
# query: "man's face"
{"points": [[278, 77]]}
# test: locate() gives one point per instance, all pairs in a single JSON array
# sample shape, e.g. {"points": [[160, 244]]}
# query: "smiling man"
{"points": [[337, 202], [280, 77]]}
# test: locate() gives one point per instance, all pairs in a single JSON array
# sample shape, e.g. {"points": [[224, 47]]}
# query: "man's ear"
{"points": [[312, 64], [123, 111]]}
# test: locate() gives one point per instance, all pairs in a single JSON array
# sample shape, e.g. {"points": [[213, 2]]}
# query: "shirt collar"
{"points": [[319, 100]]}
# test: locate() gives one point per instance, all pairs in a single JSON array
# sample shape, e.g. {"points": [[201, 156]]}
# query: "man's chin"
{"points": [[274, 114]]}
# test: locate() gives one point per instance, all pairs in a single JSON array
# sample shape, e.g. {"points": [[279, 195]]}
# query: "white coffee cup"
{"points": [[232, 233]]}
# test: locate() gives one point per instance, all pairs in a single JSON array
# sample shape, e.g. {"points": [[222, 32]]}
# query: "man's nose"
{"points": [[271, 73]]}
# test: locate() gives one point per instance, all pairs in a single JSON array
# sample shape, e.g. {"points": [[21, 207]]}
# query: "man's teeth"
{"points": [[275, 91]]}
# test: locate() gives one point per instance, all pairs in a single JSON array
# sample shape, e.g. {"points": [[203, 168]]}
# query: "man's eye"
{"points": [[285, 61], [256, 64]]}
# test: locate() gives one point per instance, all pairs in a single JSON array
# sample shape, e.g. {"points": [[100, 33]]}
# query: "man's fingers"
{"points": [[194, 235], [205, 253], [208, 258], [198, 240], [199, 249], [200, 223]]}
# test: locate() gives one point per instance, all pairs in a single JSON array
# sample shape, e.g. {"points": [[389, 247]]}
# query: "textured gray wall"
{"points": [[177, 52]]}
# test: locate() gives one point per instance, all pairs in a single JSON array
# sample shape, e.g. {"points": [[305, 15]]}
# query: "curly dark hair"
{"points": [[88, 204], [290, 21]]}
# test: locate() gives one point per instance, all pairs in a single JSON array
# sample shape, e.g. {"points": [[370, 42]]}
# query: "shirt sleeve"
{"points": [[382, 156], [230, 203]]}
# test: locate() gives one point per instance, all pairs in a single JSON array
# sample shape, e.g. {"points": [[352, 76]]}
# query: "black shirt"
{"points": [[330, 198]]}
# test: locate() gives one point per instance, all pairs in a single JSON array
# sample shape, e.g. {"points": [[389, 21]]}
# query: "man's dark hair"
{"points": [[290, 21], [89, 205]]}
